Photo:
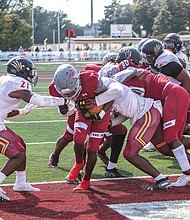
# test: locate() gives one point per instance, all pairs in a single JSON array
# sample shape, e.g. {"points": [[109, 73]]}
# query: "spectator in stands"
{"points": [[37, 49]]}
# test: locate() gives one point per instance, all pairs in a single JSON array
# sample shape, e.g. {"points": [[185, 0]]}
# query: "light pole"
{"points": [[58, 27], [32, 37]]}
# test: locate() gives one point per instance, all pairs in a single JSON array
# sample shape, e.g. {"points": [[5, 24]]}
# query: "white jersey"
{"points": [[165, 58], [8, 84], [108, 70], [183, 57], [128, 104]]}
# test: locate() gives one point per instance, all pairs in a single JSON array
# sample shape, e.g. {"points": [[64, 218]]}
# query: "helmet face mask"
{"points": [[67, 82], [173, 42], [23, 67], [168, 45], [147, 59], [151, 50]]}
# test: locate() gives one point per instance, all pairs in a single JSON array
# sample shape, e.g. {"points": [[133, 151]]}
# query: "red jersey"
{"points": [[88, 88], [153, 84], [53, 91]]}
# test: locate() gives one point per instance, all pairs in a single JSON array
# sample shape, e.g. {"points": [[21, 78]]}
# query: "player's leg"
{"points": [[174, 119], [81, 130], [62, 142], [96, 134], [140, 134], [119, 133]]}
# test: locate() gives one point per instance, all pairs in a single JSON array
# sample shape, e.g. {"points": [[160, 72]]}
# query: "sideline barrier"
{"points": [[59, 55]]}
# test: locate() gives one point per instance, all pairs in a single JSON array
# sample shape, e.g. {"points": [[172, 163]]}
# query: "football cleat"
{"points": [[149, 147], [3, 197], [103, 157], [74, 173], [84, 185], [160, 184], [77, 181], [183, 180], [53, 161], [113, 173], [25, 188]]}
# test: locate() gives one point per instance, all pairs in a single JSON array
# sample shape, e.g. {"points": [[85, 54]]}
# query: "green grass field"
{"points": [[42, 127]]}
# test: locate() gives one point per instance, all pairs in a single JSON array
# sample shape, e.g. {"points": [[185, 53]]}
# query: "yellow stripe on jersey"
{"points": [[143, 129], [160, 145], [4, 144]]}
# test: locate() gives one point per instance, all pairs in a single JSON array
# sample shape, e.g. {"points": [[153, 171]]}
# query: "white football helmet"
{"points": [[109, 57], [67, 81]]}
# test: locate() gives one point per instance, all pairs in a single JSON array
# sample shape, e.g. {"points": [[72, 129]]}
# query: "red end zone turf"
{"points": [[58, 201]]}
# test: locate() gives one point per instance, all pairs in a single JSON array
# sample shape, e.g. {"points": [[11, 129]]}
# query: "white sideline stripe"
{"points": [[36, 143], [95, 180], [29, 122]]}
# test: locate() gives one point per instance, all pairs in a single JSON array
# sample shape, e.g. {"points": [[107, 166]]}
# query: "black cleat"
{"points": [[53, 161], [160, 184], [103, 157], [113, 173]]}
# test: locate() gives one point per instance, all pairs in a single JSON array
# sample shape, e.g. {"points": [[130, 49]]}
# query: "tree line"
{"points": [[157, 17]]}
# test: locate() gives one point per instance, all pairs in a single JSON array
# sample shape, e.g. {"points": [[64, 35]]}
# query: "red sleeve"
{"points": [[93, 66], [52, 90]]}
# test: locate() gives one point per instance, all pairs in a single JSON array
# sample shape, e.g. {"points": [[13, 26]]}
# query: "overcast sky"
{"points": [[78, 11]]}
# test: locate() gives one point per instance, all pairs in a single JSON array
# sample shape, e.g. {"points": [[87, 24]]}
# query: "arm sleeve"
{"points": [[100, 85], [172, 69], [114, 91], [46, 101]]}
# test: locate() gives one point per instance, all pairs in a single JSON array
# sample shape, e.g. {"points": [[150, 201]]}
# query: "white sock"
{"points": [[20, 178], [159, 177], [111, 165], [181, 157], [2, 177]]}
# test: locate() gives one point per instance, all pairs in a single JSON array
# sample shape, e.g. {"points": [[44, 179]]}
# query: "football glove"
{"points": [[29, 107], [94, 117], [88, 103]]}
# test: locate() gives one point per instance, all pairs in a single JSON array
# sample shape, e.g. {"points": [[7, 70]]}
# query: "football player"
{"points": [[114, 137], [165, 62], [174, 43], [159, 87], [16, 87], [144, 115], [67, 110], [79, 87]]}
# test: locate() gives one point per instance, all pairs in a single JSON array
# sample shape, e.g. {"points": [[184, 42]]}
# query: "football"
{"points": [[96, 109]]}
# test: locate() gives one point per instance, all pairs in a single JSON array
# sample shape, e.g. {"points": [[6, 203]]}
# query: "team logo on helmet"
{"points": [[157, 49], [17, 65], [127, 53]]}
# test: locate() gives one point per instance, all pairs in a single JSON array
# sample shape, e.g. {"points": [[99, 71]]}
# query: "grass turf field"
{"points": [[42, 127]]}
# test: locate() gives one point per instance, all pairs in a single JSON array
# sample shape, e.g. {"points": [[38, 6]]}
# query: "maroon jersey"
{"points": [[88, 88], [153, 84], [53, 91]]}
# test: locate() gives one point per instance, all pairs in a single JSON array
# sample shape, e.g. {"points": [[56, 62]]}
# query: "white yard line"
{"points": [[37, 143], [29, 122]]}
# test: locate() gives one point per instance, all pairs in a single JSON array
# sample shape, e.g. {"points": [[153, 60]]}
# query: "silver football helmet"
{"points": [[109, 57], [67, 81]]}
